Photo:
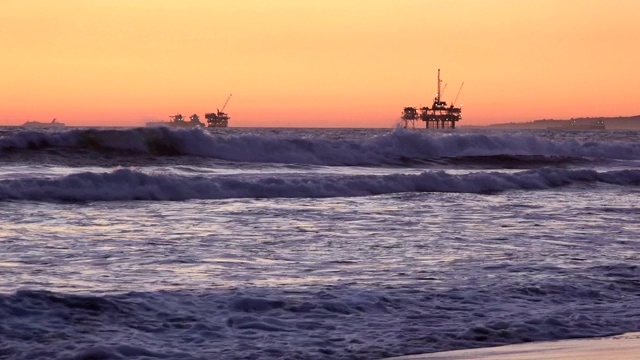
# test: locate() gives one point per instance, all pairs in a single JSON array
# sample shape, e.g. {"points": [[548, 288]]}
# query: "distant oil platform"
{"points": [[439, 116], [214, 119]]}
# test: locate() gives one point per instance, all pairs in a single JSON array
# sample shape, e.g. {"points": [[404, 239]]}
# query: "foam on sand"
{"points": [[619, 347]]}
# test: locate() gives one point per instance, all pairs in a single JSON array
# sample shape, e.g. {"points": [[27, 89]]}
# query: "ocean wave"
{"points": [[128, 184], [396, 147], [337, 322]]}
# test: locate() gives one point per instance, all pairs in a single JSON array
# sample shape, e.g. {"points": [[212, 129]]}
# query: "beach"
{"points": [[619, 347]]}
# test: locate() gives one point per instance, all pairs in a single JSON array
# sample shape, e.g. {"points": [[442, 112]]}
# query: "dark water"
{"points": [[312, 243]]}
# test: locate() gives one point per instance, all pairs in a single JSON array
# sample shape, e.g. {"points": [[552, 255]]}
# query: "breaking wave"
{"points": [[339, 322], [127, 184], [394, 148]]}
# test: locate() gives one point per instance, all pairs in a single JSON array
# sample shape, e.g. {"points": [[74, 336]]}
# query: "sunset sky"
{"points": [[327, 63]]}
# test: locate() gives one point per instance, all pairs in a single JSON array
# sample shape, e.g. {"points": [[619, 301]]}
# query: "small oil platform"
{"points": [[439, 116], [177, 118], [180, 122], [218, 118], [195, 120]]}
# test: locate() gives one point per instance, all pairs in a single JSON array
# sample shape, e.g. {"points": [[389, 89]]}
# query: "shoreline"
{"points": [[620, 347]]}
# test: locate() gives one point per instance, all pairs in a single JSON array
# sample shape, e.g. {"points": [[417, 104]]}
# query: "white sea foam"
{"points": [[296, 261], [127, 184], [390, 148]]}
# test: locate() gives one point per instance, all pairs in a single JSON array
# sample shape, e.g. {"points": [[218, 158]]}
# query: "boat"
{"points": [[574, 125], [438, 116], [43, 125], [178, 121], [219, 118]]}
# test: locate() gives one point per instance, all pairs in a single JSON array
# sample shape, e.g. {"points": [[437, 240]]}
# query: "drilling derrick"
{"points": [[438, 116]]}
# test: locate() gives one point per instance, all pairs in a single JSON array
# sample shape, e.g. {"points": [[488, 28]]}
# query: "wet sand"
{"points": [[619, 347]]}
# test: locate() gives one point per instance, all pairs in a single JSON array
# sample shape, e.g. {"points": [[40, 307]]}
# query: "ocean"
{"points": [[239, 243]]}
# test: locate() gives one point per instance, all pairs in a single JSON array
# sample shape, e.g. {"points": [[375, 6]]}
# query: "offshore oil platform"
{"points": [[218, 118], [439, 116], [214, 119]]}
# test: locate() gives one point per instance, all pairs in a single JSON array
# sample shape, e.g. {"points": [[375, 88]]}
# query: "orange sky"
{"points": [[353, 63]]}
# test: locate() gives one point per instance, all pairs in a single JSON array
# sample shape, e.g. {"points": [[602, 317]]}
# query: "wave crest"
{"points": [[394, 148], [127, 184]]}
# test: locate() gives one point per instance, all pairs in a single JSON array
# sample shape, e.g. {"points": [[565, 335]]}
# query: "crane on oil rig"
{"points": [[458, 94], [444, 88], [225, 103]]}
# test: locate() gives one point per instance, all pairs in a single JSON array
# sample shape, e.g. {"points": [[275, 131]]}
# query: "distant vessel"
{"points": [[38, 124], [214, 119], [439, 116], [574, 125]]}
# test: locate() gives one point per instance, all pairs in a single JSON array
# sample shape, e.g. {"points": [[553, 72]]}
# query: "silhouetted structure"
{"points": [[439, 116], [218, 118], [195, 120], [179, 121], [36, 124], [178, 118]]}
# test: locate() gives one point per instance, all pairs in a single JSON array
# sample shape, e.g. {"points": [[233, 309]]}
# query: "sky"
{"points": [[325, 63]]}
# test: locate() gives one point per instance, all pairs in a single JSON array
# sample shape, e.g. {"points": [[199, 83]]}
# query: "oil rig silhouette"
{"points": [[218, 118], [439, 116], [214, 119]]}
